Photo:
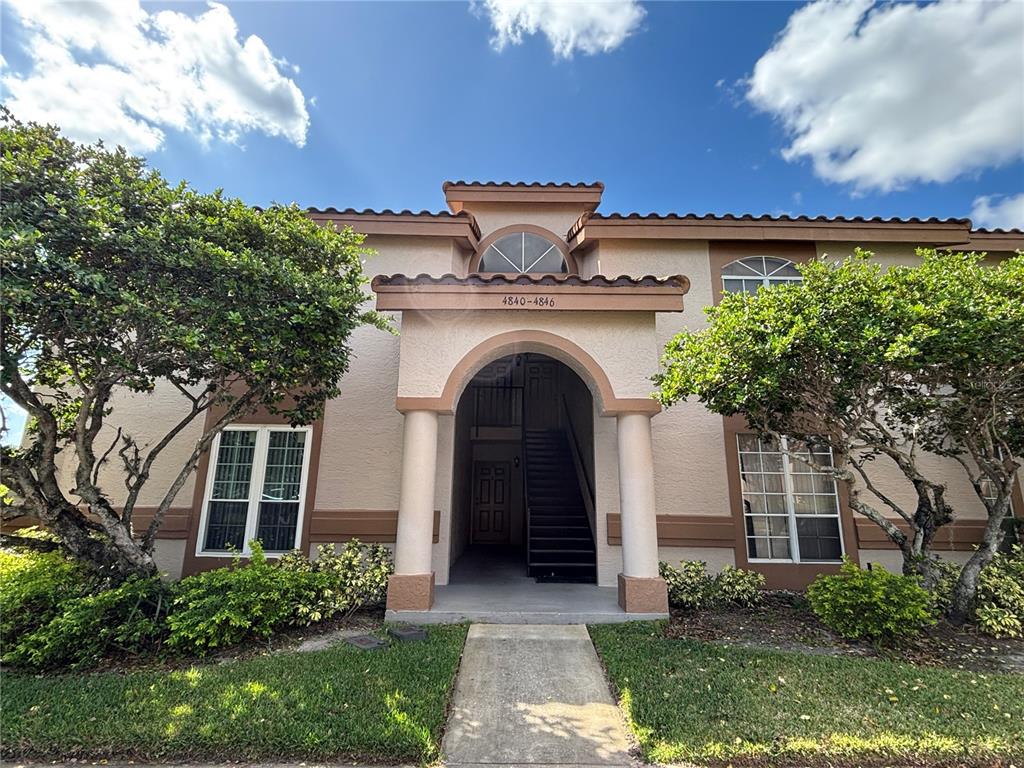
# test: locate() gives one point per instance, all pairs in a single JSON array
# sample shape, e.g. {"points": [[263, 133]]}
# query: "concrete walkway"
{"points": [[533, 694]]}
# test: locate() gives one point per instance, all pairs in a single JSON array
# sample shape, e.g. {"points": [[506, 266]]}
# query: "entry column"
{"points": [[411, 588], [641, 588]]}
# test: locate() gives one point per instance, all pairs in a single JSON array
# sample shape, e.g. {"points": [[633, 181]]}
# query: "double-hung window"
{"points": [[255, 489], [790, 510]]}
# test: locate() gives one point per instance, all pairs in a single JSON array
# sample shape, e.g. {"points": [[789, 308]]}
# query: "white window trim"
{"points": [[259, 468], [791, 514]]}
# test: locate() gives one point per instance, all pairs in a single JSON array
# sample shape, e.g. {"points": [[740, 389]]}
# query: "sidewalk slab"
{"points": [[533, 694]]}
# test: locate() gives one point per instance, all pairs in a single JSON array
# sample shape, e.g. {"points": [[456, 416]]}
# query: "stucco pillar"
{"points": [[641, 589], [411, 588]]}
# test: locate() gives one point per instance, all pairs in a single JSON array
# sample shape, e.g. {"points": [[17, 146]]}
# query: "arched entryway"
{"points": [[523, 501], [411, 590]]}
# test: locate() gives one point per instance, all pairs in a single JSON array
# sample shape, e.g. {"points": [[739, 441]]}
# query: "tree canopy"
{"points": [[882, 364], [115, 280]]}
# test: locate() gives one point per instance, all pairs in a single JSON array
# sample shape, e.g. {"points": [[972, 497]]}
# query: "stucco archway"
{"points": [[571, 354]]}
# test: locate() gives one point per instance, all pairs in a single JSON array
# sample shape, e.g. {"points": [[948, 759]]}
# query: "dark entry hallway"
{"points": [[523, 469]]}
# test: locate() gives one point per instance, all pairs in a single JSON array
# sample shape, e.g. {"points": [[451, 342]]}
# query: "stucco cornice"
{"points": [[461, 226], [458, 193], [939, 232], [546, 293]]}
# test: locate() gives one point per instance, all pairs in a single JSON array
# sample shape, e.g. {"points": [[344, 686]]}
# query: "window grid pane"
{"points": [[239, 472], [788, 504], [282, 483]]}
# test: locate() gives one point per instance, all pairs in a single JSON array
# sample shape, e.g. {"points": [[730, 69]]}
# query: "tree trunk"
{"points": [[118, 557], [962, 603]]}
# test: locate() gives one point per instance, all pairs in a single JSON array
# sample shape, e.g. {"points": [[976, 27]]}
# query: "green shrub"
{"points": [[736, 586], [356, 577], [227, 606], [1000, 599], [942, 593], [32, 587], [128, 619], [871, 604], [690, 586]]}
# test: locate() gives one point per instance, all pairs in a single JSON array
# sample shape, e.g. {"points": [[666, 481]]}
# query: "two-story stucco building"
{"points": [[507, 434]]}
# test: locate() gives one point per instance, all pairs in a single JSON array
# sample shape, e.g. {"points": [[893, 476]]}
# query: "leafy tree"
{"points": [[883, 366], [113, 280]]}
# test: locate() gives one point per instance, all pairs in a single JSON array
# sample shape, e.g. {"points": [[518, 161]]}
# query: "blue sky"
{"points": [[401, 96], [764, 107]]}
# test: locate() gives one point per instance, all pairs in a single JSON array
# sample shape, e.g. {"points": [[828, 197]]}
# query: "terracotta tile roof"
{"points": [[389, 212], [525, 184], [932, 231], [459, 194], [389, 217], [982, 231], [497, 280]]}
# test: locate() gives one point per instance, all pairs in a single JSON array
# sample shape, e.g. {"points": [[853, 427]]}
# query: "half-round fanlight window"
{"points": [[522, 252], [747, 275]]}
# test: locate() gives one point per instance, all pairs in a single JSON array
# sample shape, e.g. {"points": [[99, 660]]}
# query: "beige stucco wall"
{"points": [[147, 418], [689, 449], [361, 453], [557, 218], [432, 344], [169, 555]]}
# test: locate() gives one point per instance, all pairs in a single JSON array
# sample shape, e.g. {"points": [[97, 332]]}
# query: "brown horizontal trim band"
{"points": [[368, 525], [683, 530], [174, 526], [960, 535]]}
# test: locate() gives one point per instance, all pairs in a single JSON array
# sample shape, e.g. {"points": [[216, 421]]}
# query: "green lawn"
{"points": [[387, 704], [688, 700]]}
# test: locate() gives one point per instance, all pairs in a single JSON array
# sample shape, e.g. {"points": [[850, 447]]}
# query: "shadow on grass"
{"points": [[387, 704], [715, 703]]}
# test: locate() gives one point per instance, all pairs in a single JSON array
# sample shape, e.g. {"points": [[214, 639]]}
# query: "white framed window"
{"points": [[750, 274], [790, 511], [255, 489]]}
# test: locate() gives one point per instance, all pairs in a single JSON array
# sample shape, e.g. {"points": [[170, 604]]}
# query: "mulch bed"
{"points": [[784, 621]]}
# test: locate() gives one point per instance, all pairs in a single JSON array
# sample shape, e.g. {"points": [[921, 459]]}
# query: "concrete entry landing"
{"points": [[490, 587], [533, 695]]}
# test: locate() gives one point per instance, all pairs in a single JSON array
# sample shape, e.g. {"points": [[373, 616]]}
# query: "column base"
{"points": [[410, 591], [643, 595]]}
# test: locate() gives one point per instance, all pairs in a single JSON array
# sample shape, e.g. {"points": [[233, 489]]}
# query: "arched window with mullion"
{"points": [[749, 274], [523, 253]]}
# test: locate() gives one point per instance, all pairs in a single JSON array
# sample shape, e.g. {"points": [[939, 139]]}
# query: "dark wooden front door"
{"points": [[541, 385], [492, 503]]}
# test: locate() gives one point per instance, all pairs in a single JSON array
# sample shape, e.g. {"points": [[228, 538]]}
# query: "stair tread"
{"points": [[562, 565]]}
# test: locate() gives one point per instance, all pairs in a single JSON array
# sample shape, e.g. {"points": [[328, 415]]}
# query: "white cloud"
{"points": [[114, 71], [882, 96], [589, 26], [998, 212]]}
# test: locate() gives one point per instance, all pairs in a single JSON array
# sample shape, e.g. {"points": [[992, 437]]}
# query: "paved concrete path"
{"points": [[533, 694]]}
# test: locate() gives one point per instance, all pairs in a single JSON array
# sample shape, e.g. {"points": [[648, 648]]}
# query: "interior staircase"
{"points": [[561, 546]]}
